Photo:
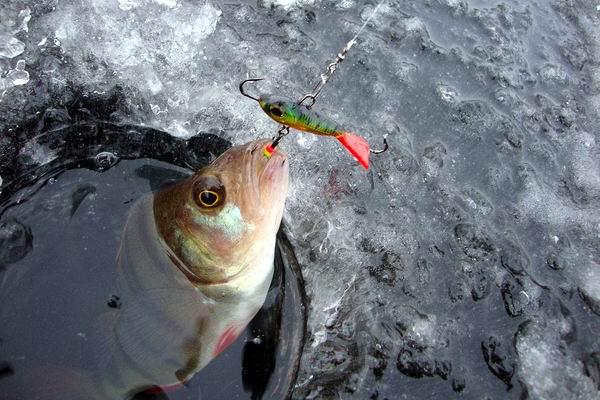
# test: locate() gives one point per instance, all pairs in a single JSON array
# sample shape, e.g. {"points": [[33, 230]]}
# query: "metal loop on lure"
{"points": [[310, 96], [324, 79], [283, 130]]}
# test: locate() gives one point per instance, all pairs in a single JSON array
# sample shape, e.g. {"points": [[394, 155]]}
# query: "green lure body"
{"points": [[299, 117]]}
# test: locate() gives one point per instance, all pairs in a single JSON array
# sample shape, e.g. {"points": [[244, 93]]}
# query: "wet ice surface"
{"points": [[467, 261]]}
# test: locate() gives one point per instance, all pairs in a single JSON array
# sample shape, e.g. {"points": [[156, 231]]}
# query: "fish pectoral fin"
{"points": [[357, 146]]}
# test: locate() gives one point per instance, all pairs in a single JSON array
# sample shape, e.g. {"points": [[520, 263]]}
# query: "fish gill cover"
{"points": [[467, 260]]}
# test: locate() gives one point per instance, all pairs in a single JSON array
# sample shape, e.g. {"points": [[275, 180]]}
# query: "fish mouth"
{"points": [[261, 162], [277, 161], [270, 172], [279, 156]]}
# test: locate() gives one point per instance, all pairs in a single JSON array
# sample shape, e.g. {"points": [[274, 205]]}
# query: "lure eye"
{"points": [[208, 198], [276, 111], [209, 192]]}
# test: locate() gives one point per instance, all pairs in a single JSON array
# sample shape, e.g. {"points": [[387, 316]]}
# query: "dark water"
{"points": [[60, 229]]}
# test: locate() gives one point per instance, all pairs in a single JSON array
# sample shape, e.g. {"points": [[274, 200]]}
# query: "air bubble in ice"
{"points": [[105, 160]]}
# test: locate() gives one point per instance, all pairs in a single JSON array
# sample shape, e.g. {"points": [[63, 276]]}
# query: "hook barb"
{"points": [[246, 81], [385, 147]]}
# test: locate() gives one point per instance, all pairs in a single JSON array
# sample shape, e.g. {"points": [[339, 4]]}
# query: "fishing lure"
{"points": [[301, 117]]}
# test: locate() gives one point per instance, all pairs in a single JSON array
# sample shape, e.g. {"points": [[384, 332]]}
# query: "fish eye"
{"points": [[208, 198], [276, 111], [209, 192]]}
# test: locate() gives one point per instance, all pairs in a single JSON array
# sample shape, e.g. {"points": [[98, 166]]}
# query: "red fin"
{"points": [[357, 146], [225, 340]]}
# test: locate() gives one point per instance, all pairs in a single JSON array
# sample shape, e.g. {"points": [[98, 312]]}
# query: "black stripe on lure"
{"points": [[298, 116]]}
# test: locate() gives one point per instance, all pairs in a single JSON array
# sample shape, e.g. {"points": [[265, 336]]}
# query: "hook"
{"points": [[242, 87], [385, 147]]}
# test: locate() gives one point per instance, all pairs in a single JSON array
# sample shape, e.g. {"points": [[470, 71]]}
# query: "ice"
{"points": [[584, 168], [127, 5], [447, 93], [285, 4], [548, 367], [345, 4], [421, 272], [590, 285], [167, 3], [296, 4], [18, 76], [200, 27], [14, 77], [37, 154], [12, 24], [23, 19], [550, 72], [173, 33], [11, 47], [582, 178]]}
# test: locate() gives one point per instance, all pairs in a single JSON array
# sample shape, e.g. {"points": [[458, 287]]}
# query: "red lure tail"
{"points": [[357, 146]]}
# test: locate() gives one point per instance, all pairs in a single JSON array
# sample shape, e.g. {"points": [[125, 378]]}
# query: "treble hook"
{"points": [[385, 147], [242, 87]]}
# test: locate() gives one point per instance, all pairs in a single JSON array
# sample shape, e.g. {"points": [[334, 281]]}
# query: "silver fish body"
{"points": [[191, 277], [167, 328]]}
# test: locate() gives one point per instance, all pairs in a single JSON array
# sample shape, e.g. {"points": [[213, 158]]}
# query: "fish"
{"points": [[302, 118], [194, 267]]}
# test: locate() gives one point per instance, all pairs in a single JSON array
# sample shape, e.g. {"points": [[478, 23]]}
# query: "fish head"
{"points": [[223, 218]]}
